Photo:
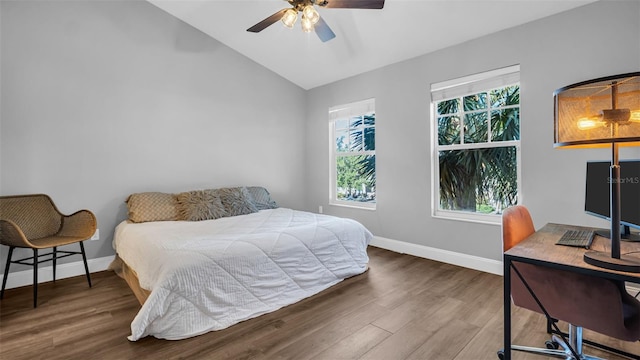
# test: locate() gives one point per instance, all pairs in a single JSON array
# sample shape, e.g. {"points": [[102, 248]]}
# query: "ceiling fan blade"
{"points": [[324, 31], [351, 4], [267, 22]]}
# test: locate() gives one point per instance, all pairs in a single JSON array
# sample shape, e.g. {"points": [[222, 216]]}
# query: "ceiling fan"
{"points": [[311, 20]]}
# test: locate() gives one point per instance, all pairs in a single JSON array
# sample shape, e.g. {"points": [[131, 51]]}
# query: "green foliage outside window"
{"points": [[479, 179], [356, 161]]}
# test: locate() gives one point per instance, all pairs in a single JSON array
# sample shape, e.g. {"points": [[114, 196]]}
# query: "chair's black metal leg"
{"points": [[55, 260], [35, 278], [550, 322], [6, 271], [86, 267], [505, 353]]}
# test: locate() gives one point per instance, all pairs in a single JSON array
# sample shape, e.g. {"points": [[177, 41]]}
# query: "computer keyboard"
{"points": [[578, 238]]}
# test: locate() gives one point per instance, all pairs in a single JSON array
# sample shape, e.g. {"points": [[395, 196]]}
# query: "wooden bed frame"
{"points": [[130, 276]]}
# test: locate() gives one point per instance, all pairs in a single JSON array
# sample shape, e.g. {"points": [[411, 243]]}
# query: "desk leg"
{"points": [[507, 308]]}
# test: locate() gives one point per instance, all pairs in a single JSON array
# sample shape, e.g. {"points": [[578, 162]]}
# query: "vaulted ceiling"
{"points": [[365, 39]]}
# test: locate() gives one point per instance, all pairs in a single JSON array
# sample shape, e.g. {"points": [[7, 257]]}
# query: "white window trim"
{"points": [[340, 112], [457, 88]]}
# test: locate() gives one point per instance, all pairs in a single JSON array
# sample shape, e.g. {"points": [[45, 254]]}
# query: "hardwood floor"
{"points": [[404, 307]]}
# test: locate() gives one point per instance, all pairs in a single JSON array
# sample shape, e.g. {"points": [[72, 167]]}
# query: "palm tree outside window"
{"points": [[353, 157], [476, 150]]}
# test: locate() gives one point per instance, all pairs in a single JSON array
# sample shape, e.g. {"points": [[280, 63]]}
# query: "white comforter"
{"points": [[209, 275]]}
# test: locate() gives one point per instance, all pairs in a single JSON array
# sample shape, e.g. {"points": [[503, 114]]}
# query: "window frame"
{"points": [[341, 112], [458, 88]]}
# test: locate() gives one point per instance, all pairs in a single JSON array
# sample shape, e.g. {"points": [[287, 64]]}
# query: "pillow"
{"points": [[152, 206], [200, 205], [236, 201], [260, 198]]}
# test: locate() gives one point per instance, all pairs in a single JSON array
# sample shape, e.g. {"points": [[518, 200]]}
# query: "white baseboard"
{"points": [[45, 273], [449, 257], [454, 258]]}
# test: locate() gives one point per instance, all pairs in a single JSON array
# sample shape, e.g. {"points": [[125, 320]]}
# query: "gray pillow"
{"points": [[236, 201], [200, 205], [260, 198]]}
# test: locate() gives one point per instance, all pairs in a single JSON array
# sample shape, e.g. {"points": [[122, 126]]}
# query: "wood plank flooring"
{"points": [[404, 307]]}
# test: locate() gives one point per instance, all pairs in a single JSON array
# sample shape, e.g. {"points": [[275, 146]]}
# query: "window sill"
{"points": [[489, 219], [350, 204]]}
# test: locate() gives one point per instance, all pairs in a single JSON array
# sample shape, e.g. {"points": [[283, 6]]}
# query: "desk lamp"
{"points": [[600, 113]]}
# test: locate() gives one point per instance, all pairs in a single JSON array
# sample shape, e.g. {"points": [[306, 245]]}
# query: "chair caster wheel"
{"points": [[552, 345], [501, 354]]}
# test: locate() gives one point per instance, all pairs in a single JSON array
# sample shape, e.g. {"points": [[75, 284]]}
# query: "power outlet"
{"points": [[96, 235]]}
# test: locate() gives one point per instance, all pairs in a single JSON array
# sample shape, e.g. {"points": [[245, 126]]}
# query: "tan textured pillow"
{"points": [[200, 205], [152, 206], [236, 201]]}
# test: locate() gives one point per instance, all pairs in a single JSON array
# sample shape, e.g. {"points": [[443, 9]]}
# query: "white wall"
{"points": [[596, 40], [101, 99]]}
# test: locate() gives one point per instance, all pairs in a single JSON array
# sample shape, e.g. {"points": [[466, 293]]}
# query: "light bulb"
{"points": [[635, 116], [289, 18], [310, 13], [588, 123], [307, 25]]}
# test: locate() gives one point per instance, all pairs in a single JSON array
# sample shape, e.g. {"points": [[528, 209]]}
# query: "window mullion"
{"points": [[461, 115], [356, 153], [489, 131], [493, 144]]}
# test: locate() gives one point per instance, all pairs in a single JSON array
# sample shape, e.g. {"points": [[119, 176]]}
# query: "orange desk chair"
{"points": [[598, 304]]}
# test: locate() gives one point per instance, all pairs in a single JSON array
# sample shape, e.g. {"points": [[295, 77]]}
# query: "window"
{"points": [[353, 154], [476, 145]]}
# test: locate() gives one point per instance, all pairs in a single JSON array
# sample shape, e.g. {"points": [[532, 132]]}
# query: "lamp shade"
{"points": [[599, 112]]}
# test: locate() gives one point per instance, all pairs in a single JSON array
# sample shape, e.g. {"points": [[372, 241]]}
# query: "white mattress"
{"points": [[209, 275]]}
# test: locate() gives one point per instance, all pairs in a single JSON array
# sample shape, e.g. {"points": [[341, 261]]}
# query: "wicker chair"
{"points": [[34, 222]]}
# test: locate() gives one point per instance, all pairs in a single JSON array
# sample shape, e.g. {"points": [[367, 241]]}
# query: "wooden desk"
{"points": [[540, 248]]}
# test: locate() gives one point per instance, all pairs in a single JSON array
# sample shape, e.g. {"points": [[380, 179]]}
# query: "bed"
{"points": [[192, 277]]}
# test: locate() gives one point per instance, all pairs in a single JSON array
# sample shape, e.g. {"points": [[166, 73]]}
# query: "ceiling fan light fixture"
{"points": [[289, 18], [311, 20], [310, 13], [307, 25]]}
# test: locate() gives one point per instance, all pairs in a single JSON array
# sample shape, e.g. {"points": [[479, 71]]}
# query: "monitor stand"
{"points": [[625, 234]]}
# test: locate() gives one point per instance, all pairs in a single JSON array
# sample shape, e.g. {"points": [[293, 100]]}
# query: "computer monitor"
{"points": [[597, 197]]}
